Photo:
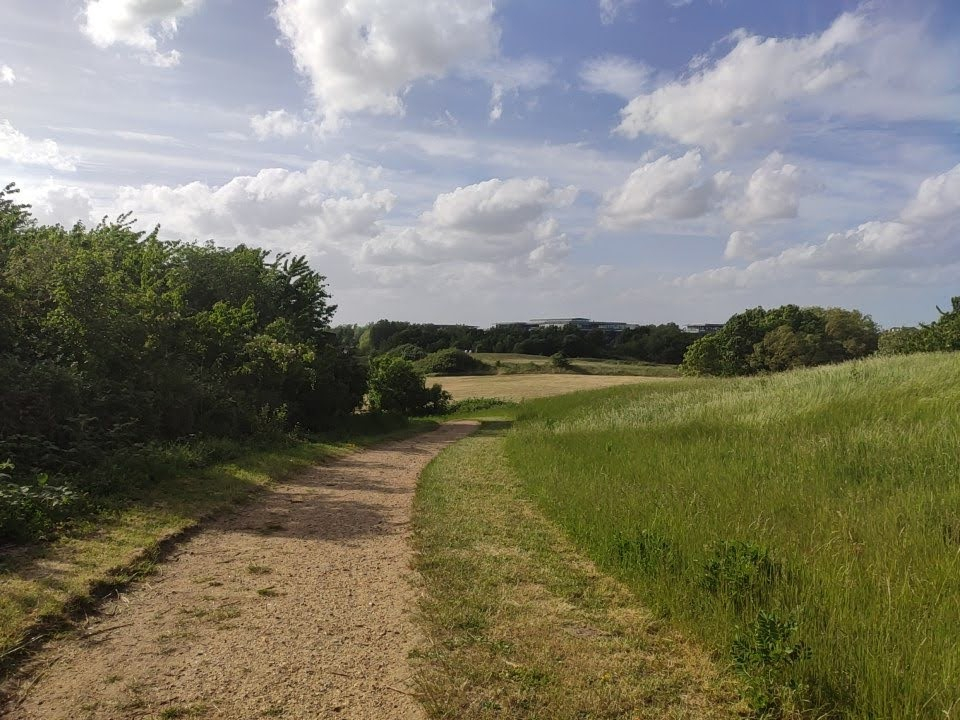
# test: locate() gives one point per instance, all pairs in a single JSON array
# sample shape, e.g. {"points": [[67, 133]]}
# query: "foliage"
{"points": [[476, 404], [408, 351], [783, 338], [31, 510], [664, 344], [767, 656], [397, 387], [451, 362], [111, 337], [560, 361]]}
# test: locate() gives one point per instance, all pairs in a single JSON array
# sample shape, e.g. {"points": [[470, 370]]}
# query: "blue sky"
{"points": [[489, 160]]}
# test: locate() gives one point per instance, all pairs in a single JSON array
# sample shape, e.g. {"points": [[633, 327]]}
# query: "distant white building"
{"points": [[704, 328]]}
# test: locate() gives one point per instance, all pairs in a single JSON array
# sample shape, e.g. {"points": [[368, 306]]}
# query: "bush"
{"points": [[560, 361], [408, 351], [31, 511], [395, 386], [451, 362]]}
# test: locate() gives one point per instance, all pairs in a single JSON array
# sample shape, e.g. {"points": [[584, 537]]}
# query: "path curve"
{"points": [[295, 606]]}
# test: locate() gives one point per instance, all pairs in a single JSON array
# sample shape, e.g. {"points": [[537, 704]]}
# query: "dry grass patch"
{"points": [[521, 626], [529, 386]]}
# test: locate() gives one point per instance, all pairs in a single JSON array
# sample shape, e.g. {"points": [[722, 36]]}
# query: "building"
{"points": [[578, 322], [703, 329]]}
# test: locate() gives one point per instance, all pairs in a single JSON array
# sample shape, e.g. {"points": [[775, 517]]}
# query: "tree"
{"points": [[395, 386]]}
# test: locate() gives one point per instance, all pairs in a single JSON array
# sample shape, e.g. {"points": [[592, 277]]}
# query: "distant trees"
{"points": [[652, 343], [783, 338], [942, 334]]}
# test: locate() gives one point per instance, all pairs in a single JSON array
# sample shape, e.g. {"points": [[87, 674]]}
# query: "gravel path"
{"points": [[295, 606]]}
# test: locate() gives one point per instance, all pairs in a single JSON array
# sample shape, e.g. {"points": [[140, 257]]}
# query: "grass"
{"points": [[42, 584], [521, 626], [528, 386], [514, 363], [805, 525]]}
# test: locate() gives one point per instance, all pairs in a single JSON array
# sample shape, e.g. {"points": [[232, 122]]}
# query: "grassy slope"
{"points": [[848, 476], [40, 584], [520, 626]]}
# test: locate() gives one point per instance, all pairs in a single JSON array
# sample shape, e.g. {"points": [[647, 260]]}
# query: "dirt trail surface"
{"points": [[295, 606]]}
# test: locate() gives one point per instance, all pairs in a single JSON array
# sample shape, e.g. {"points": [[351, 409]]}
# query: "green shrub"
{"points": [[397, 387], [408, 351], [765, 656], [451, 362], [560, 361], [29, 511]]}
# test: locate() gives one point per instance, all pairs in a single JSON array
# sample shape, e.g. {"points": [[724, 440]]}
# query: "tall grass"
{"points": [[805, 525]]}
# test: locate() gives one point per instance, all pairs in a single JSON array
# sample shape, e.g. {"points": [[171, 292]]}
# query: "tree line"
{"points": [[664, 344]]}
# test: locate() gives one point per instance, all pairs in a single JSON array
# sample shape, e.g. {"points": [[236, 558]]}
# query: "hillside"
{"points": [[806, 525]]}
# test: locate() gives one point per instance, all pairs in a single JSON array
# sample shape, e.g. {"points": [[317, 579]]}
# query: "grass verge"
{"points": [[521, 626], [44, 584], [806, 525]]}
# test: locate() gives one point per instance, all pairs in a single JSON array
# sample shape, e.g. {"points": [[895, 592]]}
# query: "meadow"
{"points": [[513, 363], [527, 386], [805, 526]]}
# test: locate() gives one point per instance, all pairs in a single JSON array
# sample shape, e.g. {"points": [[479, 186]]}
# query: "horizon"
{"points": [[463, 161]]}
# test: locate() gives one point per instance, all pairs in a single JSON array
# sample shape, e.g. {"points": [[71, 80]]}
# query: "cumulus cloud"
{"points": [[55, 203], [772, 192], [664, 189], [859, 67], [495, 221], [615, 75], [7, 75], [277, 123], [925, 234], [139, 24], [741, 244], [18, 148], [326, 204], [363, 55]]}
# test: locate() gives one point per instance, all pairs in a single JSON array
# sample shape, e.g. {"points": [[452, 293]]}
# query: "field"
{"points": [[515, 363], [806, 526], [527, 386]]}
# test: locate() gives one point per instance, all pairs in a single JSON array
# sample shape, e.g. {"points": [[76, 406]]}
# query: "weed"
{"points": [[259, 570], [738, 570], [767, 655]]}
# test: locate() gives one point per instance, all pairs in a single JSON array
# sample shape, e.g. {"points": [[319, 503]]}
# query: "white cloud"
{"points": [[139, 24], [327, 204], [615, 75], [772, 193], [7, 76], [511, 76], [859, 67], [741, 244], [18, 148], [926, 234], [363, 55], [54, 203], [277, 123], [610, 9], [495, 221], [664, 189]]}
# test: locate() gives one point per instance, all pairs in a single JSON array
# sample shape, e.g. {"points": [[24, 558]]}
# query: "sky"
{"points": [[483, 161]]}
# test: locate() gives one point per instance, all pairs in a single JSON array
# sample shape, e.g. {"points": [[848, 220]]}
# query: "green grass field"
{"points": [[804, 525], [513, 363]]}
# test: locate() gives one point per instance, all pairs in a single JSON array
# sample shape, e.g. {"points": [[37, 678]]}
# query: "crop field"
{"points": [[806, 526], [527, 386]]}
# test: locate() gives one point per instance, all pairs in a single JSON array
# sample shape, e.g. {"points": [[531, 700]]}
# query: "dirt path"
{"points": [[296, 606]]}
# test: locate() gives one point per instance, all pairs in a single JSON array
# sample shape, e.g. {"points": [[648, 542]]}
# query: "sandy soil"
{"points": [[296, 606]]}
